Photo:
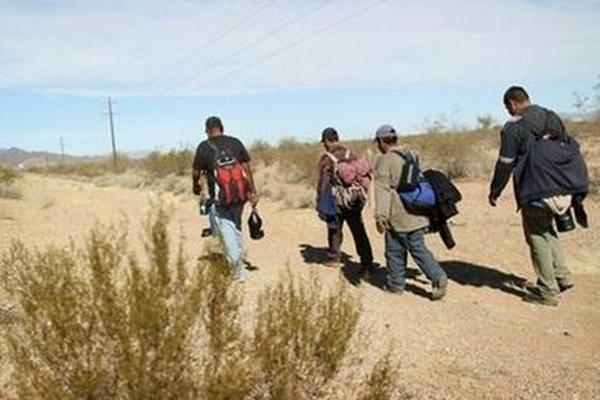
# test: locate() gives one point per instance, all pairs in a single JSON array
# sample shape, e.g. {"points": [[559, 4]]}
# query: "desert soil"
{"points": [[480, 342]]}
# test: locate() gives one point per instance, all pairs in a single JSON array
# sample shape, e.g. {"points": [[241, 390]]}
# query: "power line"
{"points": [[259, 40], [302, 39], [215, 39]]}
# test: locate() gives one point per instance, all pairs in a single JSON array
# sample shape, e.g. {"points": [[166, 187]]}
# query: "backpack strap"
{"points": [[332, 157], [214, 147], [407, 155]]}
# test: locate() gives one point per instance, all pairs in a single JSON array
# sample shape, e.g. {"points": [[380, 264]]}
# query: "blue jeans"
{"points": [[396, 247], [232, 239]]}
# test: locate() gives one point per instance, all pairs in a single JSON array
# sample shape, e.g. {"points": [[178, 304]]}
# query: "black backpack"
{"points": [[411, 171]]}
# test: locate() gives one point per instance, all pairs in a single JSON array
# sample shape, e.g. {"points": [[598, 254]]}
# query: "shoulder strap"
{"points": [[407, 155], [213, 146], [332, 157]]}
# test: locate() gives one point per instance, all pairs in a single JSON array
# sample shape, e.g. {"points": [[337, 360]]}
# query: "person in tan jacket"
{"points": [[404, 232]]}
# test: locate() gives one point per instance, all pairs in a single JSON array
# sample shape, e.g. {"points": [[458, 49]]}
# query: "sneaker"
{"points": [[540, 299], [438, 290], [392, 290]]}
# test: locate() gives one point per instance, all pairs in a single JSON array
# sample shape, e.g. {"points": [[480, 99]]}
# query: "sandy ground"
{"points": [[482, 341]]}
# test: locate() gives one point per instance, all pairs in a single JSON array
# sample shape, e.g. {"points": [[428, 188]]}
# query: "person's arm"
{"points": [[505, 163], [244, 157], [250, 177], [197, 173], [321, 176], [383, 193]]}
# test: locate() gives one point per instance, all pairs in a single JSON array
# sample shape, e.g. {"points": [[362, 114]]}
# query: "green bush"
{"points": [[97, 323]]}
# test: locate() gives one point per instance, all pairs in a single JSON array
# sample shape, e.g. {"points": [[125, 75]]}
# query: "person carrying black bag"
{"points": [[550, 179]]}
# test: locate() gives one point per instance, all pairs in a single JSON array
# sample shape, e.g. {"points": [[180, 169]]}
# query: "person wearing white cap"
{"points": [[404, 232]]}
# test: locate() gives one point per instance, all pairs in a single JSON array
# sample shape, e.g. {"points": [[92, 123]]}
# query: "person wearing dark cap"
{"points": [[222, 177], [335, 152], [404, 232]]}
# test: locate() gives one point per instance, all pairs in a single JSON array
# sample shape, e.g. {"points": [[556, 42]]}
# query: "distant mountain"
{"points": [[16, 157]]}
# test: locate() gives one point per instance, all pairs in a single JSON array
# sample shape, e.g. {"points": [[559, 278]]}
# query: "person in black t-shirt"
{"points": [[225, 214]]}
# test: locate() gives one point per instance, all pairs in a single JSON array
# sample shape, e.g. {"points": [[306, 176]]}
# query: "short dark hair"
{"points": [[389, 140], [515, 93], [213, 122]]}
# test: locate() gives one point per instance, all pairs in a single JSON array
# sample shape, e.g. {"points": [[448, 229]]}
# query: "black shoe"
{"points": [[438, 290], [366, 270], [564, 286], [392, 290], [540, 299]]}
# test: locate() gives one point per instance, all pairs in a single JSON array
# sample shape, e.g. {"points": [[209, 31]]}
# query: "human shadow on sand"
{"points": [[352, 270], [318, 255], [468, 274]]}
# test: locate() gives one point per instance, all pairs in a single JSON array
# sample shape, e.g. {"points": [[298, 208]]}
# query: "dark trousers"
{"points": [[335, 236]]}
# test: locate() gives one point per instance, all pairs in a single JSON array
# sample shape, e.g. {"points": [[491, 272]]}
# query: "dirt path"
{"points": [[480, 342]]}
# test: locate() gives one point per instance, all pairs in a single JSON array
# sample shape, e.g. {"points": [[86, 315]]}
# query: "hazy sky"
{"points": [[278, 68]]}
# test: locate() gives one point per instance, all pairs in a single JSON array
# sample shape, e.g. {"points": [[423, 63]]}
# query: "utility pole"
{"points": [[112, 131], [62, 150]]}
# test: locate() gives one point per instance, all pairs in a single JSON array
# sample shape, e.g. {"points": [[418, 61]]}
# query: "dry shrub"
{"points": [[302, 337], [98, 323], [262, 152], [8, 184], [382, 383], [87, 169], [177, 162]]}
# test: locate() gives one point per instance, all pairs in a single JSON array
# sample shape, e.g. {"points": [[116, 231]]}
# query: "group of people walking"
{"points": [[550, 181]]}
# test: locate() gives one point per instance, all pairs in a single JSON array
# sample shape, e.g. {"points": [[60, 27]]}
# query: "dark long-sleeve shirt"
{"points": [[515, 139]]}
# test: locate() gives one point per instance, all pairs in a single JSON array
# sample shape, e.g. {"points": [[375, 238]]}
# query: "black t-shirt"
{"points": [[205, 156]]}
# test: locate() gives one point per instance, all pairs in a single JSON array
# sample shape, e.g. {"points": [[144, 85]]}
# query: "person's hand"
{"points": [[382, 226], [493, 200]]}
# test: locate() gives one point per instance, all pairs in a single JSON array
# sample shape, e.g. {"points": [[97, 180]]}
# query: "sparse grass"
{"points": [[97, 322]]}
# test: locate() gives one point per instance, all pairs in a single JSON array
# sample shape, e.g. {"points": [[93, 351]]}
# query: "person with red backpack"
{"points": [[342, 192], [222, 165]]}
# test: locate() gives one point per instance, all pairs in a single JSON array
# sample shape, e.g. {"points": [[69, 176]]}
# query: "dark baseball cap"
{"points": [[213, 122], [329, 134], [385, 131]]}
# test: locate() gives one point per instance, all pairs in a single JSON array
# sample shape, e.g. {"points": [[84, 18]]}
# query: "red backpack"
{"points": [[230, 178]]}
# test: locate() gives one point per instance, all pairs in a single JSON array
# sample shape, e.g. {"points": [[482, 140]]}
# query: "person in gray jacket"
{"points": [[404, 232]]}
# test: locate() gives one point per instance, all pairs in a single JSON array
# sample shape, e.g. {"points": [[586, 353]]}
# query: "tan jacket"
{"points": [[388, 206]]}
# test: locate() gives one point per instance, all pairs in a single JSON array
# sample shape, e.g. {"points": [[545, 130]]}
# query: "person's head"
{"points": [[213, 126], [386, 138], [329, 138], [516, 99]]}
